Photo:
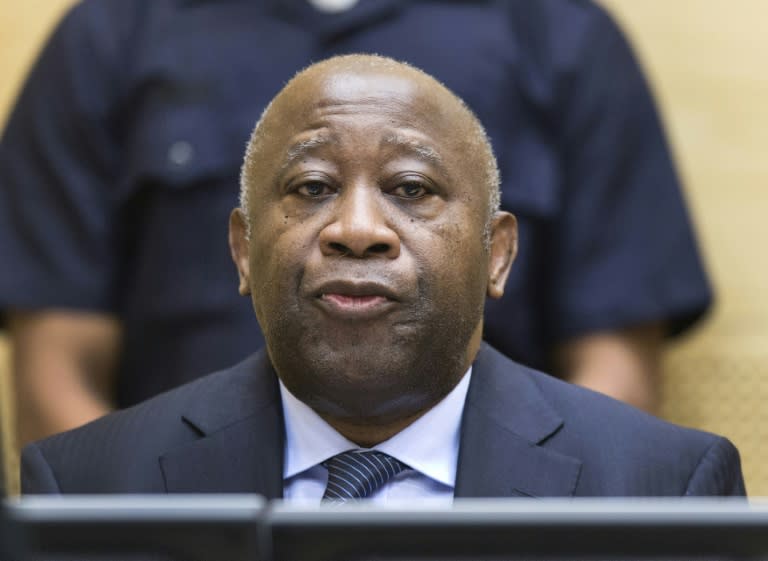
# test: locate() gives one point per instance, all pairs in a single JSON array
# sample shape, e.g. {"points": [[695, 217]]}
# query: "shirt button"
{"points": [[333, 6], [180, 153]]}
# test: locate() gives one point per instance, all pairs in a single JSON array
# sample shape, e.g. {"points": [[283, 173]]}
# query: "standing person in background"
{"points": [[117, 173]]}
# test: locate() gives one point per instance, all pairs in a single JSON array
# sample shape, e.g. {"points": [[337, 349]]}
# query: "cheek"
{"points": [[460, 259], [275, 244], [460, 238], [283, 242]]}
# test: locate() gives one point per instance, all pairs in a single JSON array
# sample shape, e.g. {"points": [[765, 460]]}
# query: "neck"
{"points": [[370, 433], [367, 433]]}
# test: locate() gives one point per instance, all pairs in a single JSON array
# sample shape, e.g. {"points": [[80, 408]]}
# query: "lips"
{"points": [[354, 302], [355, 299]]}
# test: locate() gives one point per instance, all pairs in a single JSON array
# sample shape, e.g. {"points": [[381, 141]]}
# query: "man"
{"points": [[368, 238], [125, 143]]}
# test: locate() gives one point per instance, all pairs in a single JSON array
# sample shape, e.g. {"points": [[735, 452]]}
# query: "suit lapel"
{"points": [[506, 422], [240, 444], [239, 437]]}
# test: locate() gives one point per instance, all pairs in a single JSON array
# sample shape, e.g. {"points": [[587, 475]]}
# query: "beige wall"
{"points": [[707, 60], [23, 27]]}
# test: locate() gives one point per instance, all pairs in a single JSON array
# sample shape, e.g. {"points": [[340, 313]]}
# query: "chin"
{"points": [[368, 382], [368, 404], [389, 370]]}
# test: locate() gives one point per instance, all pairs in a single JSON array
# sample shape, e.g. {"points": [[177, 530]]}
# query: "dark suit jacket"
{"points": [[523, 434]]}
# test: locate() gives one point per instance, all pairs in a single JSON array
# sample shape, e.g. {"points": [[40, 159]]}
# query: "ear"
{"points": [[239, 247], [502, 252]]}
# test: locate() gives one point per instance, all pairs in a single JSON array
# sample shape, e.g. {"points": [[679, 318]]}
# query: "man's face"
{"points": [[367, 264]]}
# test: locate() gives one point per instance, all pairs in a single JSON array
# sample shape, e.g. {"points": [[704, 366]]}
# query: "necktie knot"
{"points": [[357, 474]]}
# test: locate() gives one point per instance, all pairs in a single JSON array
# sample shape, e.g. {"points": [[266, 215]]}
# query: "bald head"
{"points": [[350, 78]]}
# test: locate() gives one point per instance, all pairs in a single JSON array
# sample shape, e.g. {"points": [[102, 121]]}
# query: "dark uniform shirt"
{"points": [[119, 167]]}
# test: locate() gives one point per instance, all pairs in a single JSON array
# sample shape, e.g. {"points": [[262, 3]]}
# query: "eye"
{"points": [[410, 190], [314, 189]]}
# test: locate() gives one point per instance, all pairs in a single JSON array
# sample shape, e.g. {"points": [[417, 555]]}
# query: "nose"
{"points": [[359, 227]]}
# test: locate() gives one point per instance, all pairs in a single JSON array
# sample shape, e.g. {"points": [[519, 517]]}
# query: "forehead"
{"points": [[361, 87], [346, 100]]}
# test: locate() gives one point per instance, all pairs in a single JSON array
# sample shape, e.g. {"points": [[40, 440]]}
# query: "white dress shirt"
{"points": [[429, 445]]}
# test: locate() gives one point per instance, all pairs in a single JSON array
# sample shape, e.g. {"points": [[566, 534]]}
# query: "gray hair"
{"points": [[478, 137]]}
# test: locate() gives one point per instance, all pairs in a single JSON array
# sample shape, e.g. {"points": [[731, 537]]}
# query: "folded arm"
{"points": [[63, 364], [623, 364]]}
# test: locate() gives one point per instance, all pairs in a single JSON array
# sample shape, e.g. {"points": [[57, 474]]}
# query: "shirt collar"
{"points": [[430, 445]]}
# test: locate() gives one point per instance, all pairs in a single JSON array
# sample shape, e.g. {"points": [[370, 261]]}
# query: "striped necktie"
{"points": [[357, 474]]}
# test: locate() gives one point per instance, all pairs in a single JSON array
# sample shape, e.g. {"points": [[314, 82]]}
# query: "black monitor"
{"points": [[524, 529], [240, 528], [10, 538], [117, 527]]}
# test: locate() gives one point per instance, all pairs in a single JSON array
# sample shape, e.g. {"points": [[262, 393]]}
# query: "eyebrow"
{"points": [[423, 151], [301, 149]]}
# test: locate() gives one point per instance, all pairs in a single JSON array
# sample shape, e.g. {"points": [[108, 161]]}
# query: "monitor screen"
{"points": [[10, 538], [240, 528], [523, 529], [134, 527]]}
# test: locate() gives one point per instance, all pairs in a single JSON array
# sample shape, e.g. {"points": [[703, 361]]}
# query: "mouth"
{"points": [[355, 300]]}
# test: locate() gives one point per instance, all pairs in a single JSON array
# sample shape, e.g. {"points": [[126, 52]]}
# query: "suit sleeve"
{"points": [[718, 473], [37, 476], [58, 161], [626, 229]]}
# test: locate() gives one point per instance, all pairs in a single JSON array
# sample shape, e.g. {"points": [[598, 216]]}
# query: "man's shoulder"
{"points": [[127, 441], [585, 415], [623, 451]]}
